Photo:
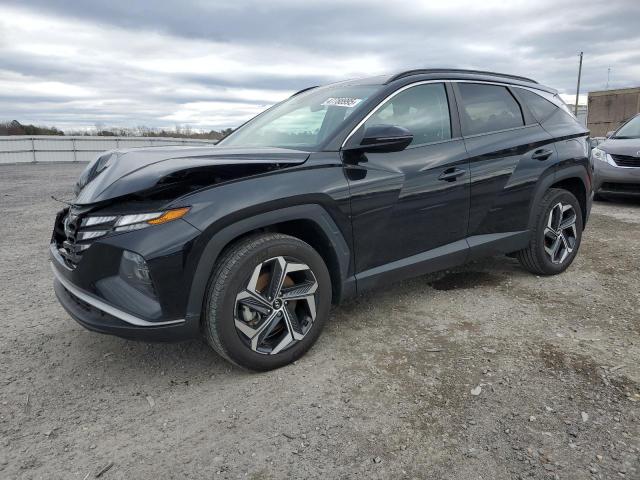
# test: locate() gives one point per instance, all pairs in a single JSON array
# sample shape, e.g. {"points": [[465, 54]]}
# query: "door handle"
{"points": [[451, 174], [542, 154]]}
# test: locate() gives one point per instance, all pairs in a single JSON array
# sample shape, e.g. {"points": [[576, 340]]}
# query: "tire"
{"points": [[541, 257], [247, 328]]}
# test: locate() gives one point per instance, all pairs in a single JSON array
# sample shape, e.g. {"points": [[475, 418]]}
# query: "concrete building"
{"points": [[608, 109]]}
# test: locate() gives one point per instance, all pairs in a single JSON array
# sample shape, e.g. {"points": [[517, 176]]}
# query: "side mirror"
{"points": [[383, 139], [610, 133]]}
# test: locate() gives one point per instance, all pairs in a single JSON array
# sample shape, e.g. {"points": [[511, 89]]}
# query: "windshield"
{"points": [[303, 121], [631, 129]]}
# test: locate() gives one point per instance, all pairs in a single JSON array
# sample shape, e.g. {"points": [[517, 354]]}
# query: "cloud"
{"points": [[215, 64]]}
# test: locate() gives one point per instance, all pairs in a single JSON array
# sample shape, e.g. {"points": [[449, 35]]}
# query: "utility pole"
{"points": [[608, 77], [575, 107]]}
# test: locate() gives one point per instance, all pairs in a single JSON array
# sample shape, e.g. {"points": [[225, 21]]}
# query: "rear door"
{"points": [[509, 151], [409, 203]]}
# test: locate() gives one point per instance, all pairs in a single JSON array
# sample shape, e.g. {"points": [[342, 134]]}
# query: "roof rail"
{"points": [[421, 71], [303, 90]]}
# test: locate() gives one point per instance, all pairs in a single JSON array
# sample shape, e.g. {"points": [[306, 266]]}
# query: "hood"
{"points": [[153, 170], [622, 146]]}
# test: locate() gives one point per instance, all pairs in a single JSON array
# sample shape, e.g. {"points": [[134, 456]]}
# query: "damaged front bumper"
{"points": [[98, 316], [97, 295]]}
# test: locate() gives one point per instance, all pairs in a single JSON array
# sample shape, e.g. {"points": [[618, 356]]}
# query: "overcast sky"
{"points": [[207, 64]]}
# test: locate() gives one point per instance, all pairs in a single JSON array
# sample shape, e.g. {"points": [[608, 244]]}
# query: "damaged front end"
{"points": [[132, 189], [119, 248], [170, 171]]}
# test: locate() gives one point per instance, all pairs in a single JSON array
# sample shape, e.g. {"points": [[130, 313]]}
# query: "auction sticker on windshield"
{"points": [[342, 102]]}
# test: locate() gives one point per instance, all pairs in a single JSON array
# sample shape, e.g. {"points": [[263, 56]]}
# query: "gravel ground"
{"points": [[481, 372]]}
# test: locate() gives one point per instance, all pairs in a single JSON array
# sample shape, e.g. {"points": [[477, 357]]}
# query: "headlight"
{"points": [[599, 154], [142, 220], [99, 225], [602, 156]]}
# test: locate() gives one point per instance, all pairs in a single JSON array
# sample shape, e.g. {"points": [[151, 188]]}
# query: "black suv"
{"points": [[334, 191]]}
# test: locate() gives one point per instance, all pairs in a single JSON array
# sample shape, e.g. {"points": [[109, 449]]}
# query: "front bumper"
{"points": [[99, 299], [97, 320], [614, 180]]}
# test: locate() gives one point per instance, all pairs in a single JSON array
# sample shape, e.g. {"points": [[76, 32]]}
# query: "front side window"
{"points": [[423, 110], [303, 121], [488, 108]]}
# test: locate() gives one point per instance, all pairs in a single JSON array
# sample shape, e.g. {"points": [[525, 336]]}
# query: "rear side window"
{"points": [[549, 114], [423, 110], [488, 108], [541, 108]]}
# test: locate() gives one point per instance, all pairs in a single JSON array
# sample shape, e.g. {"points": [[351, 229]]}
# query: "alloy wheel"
{"points": [[560, 234], [277, 307]]}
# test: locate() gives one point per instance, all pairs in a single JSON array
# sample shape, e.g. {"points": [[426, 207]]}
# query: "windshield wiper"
{"points": [[623, 137]]}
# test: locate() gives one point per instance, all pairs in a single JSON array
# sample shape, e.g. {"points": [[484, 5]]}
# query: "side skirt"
{"points": [[442, 258], [481, 246], [439, 258]]}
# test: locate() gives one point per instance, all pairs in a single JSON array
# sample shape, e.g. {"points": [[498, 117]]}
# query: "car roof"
{"points": [[447, 72], [410, 76]]}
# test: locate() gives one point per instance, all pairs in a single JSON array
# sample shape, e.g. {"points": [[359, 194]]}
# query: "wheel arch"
{"points": [[577, 187], [574, 179], [311, 232], [310, 223]]}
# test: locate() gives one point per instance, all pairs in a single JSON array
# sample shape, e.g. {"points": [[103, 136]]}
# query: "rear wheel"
{"points": [[267, 301], [557, 233]]}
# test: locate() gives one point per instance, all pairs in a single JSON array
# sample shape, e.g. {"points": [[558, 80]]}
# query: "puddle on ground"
{"points": [[465, 280]]}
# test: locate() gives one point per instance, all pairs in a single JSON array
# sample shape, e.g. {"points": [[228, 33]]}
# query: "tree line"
{"points": [[16, 128]]}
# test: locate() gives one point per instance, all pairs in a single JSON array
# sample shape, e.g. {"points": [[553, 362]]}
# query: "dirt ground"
{"points": [[387, 392]]}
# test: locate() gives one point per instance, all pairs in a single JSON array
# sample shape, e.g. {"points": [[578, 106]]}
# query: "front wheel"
{"points": [[556, 236], [267, 301]]}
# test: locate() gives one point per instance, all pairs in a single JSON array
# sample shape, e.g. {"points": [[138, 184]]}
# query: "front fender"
{"points": [[215, 244]]}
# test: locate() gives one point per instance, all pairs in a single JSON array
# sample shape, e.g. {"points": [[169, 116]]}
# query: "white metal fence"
{"points": [[45, 148]]}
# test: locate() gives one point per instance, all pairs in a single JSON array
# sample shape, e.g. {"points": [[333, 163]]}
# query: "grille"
{"points": [[75, 234], [621, 187], [626, 160]]}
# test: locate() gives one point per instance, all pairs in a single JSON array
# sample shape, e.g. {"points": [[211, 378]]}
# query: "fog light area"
{"points": [[135, 271]]}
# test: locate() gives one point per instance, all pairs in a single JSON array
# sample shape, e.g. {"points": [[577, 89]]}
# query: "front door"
{"points": [[410, 209]]}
